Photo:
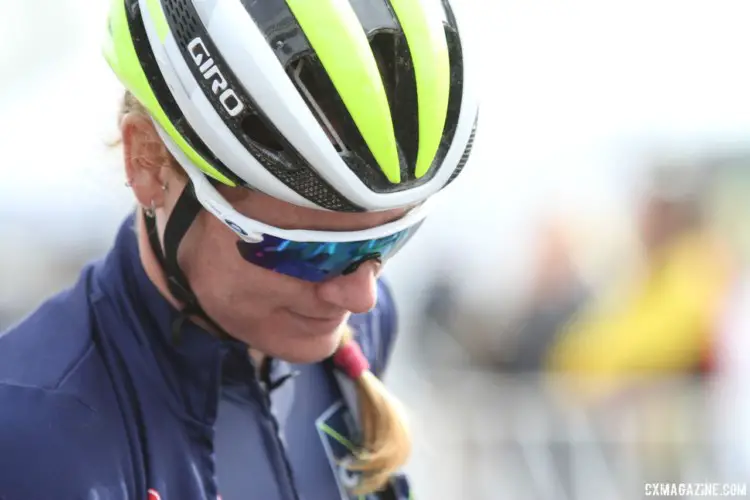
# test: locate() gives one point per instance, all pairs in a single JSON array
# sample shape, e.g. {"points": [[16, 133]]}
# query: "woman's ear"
{"points": [[144, 155]]}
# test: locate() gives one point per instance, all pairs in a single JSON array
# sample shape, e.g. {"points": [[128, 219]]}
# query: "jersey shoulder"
{"points": [[376, 330]]}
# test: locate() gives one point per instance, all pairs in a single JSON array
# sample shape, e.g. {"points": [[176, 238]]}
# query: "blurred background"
{"points": [[575, 315]]}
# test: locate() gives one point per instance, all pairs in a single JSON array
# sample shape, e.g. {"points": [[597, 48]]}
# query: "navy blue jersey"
{"points": [[98, 401]]}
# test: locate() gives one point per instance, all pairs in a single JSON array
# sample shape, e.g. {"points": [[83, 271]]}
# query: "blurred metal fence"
{"points": [[506, 437]]}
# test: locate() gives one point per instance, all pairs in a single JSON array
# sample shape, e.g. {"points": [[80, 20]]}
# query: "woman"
{"points": [[229, 344]]}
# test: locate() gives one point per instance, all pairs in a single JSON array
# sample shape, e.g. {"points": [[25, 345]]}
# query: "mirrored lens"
{"points": [[315, 261]]}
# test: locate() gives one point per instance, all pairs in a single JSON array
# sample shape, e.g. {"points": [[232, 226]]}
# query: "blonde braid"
{"points": [[386, 443]]}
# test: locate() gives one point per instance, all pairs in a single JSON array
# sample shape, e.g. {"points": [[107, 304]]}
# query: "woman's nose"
{"points": [[356, 292]]}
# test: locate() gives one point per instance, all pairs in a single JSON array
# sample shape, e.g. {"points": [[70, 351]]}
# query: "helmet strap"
{"points": [[184, 213]]}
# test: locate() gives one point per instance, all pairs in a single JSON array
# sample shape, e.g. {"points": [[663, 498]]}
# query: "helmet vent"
{"points": [[465, 156], [257, 131], [305, 82]]}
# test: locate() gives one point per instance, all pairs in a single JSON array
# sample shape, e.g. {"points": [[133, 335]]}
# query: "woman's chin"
{"points": [[302, 347], [301, 350]]}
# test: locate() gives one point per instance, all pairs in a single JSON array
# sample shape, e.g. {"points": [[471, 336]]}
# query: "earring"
{"points": [[128, 184], [165, 186], [150, 211]]}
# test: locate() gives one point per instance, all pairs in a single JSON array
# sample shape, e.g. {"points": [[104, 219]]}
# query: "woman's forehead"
{"points": [[284, 215]]}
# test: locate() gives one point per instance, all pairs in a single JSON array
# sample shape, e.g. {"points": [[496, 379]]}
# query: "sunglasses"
{"points": [[309, 255], [318, 261]]}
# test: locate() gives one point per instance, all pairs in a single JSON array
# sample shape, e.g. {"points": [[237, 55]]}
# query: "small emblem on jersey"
{"points": [[154, 495], [336, 430]]}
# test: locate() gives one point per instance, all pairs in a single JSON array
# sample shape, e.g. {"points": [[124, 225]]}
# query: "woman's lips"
{"points": [[320, 323]]}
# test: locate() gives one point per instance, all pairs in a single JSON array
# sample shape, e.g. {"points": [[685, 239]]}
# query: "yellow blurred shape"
{"points": [[660, 324]]}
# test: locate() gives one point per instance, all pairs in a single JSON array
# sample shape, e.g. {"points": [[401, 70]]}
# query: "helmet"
{"points": [[357, 105]]}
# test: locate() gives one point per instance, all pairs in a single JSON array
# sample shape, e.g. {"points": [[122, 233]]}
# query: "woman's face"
{"points": [[278, 315]]}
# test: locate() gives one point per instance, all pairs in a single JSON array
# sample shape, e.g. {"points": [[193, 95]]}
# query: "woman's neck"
{"points": [[156, 274]]}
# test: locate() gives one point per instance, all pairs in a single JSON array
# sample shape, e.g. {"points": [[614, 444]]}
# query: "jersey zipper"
{"points": [[262, 383]]}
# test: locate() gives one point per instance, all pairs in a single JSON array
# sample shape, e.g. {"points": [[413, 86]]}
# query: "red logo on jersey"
{"points": [[154, 495]]}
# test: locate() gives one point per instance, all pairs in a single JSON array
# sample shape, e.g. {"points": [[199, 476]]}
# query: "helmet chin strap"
{"points": [[184, 213]]}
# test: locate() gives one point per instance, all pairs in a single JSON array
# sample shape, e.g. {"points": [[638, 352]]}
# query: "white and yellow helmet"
{"points": [[345, 105]]}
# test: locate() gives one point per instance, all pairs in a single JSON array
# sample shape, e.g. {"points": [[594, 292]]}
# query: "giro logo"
{"points": [[202, 58]]}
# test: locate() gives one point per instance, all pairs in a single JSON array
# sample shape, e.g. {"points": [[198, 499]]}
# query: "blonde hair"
{"points": [[386, 440]]}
